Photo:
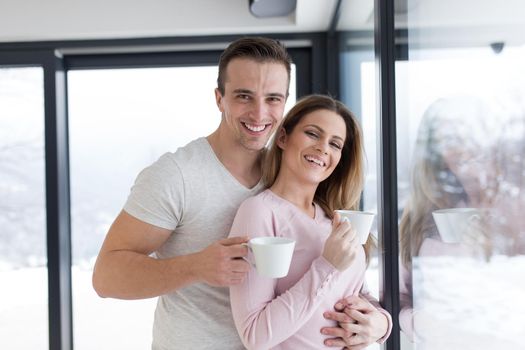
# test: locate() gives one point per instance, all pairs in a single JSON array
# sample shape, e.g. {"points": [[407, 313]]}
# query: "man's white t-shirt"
{"points": [[193, 194]]}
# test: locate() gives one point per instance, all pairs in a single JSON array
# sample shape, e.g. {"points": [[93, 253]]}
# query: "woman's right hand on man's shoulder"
{"points": [[340, 248]]}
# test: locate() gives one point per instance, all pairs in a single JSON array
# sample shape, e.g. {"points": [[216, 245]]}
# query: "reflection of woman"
{"points": [[509, 206], [452, 167], [314, 166]]}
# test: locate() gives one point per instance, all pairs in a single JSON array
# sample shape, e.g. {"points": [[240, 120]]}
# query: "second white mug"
{"points": [[453, 223], [361, 222]]}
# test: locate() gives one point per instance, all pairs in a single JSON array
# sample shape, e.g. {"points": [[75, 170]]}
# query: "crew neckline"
{"points": [[255, 188]]}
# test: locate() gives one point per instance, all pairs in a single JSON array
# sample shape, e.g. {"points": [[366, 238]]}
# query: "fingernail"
{"points": [[339, 305]]}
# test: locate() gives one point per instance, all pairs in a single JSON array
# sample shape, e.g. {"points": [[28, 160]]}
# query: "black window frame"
{"points": [[58, 220]]}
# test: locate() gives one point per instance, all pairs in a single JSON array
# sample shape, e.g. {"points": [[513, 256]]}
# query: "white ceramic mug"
{"points": [[272, 255], [361, 222], [453, 223]]}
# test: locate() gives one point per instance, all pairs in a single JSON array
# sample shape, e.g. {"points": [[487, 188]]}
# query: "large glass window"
{"points": [[460, 115], [461, 179], [23, 259], [121, 121]]}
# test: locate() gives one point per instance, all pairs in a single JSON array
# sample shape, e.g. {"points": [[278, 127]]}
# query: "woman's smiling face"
{"points": [[313, 149]]}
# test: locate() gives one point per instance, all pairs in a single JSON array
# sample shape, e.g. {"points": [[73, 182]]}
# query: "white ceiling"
{"points": [[29, 20], [448, 20]]}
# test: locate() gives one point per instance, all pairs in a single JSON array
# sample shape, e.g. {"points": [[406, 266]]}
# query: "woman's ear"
{"points": [[281, 138]]}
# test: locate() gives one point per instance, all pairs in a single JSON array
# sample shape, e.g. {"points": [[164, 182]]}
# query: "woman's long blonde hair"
{"points": [[448, 122]]}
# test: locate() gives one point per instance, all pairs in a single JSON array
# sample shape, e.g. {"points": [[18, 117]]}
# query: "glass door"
{"points": [[461, 175]]}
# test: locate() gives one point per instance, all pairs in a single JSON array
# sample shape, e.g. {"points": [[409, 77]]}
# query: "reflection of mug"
{"points": [[272, 255], [453, 223], [361, 222]]}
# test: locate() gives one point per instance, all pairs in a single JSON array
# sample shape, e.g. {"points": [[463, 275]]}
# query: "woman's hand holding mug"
{"points": [[341, 246]]}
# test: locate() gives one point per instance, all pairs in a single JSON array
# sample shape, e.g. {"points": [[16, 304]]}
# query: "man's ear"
{"points": [[218, 99], [281, 138]]}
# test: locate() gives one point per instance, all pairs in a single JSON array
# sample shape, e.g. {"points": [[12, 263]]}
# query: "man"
{"points": [[182, 206]]}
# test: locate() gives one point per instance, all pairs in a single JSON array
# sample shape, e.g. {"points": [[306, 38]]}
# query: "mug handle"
{"points": [[473, 222], [252, 264], [475, 218]]}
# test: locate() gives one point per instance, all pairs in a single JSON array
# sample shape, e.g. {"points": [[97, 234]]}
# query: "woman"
{"points": [[314, 166], [452, 167]]}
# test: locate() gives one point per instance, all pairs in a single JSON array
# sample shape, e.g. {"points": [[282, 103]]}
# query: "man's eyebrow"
{"points": [[250, 92], [275, 94], [243, 91], [322, 131]]}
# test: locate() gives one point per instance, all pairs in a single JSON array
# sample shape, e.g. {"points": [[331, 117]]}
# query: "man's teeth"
{"points": [[255, 128], [314, 160]]}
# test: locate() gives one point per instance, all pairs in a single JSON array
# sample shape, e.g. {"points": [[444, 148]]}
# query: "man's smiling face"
{"points": [[253, 102]]}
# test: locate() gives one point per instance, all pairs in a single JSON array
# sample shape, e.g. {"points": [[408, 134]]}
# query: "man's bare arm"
{"points": [[124, 268]]}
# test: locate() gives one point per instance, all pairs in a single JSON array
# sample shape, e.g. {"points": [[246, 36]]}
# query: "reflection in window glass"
{"points": [[461, 190], [23, 259], [120, 122]]}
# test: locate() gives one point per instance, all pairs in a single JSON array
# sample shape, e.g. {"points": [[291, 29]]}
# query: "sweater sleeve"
{"points": [[365, 293], [406, 319], [264, 319]]}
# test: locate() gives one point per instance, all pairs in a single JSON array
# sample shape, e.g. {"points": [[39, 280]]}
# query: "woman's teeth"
{"points": [[314, 160]]}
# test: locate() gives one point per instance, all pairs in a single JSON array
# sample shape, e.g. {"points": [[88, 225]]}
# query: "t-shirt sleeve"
{"points": [[264, 319], [157, 195]]}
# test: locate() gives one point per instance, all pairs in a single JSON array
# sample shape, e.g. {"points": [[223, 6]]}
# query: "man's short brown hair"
{"points": [[259, 49]]}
